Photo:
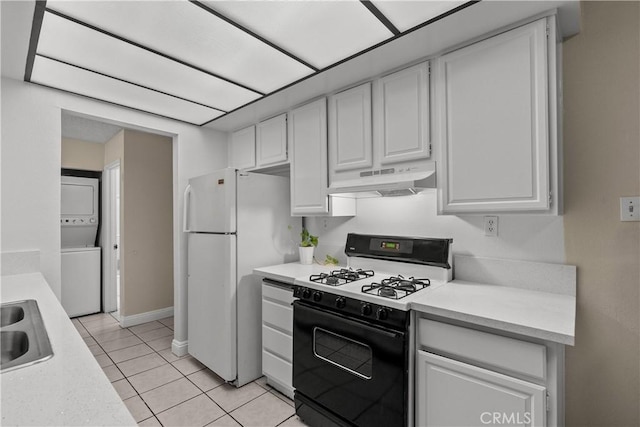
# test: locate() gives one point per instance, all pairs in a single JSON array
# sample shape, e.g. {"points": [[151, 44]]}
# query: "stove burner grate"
{"points": [[396, 287], [341, 277]]}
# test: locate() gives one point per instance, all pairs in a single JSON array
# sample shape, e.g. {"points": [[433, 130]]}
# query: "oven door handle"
{"points": [[369, 327]]}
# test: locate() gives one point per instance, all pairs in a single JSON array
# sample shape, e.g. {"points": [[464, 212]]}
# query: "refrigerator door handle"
{"points": [[185, 209]]}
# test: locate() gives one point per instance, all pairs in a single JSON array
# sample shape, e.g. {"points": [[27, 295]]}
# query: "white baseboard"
{"points": [[149, 316], [179, 348]]}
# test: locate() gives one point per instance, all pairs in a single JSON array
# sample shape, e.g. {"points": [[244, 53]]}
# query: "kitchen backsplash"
{"points": [[521, 237]]}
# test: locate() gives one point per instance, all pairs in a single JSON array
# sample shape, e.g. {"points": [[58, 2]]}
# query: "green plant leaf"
{"points": [[307, 239]]}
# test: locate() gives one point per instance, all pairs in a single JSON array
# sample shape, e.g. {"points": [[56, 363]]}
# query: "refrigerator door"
{"points": [[212, 302], [211, 203]]}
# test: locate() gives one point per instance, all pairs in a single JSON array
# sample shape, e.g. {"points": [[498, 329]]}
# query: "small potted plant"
{"points": [[308, 243]]}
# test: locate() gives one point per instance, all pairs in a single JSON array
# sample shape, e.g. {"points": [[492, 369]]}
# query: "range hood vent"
{"points": [[386, 183]]}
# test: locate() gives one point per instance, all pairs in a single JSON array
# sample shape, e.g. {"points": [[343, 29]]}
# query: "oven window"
{"points": [[343, 352]]}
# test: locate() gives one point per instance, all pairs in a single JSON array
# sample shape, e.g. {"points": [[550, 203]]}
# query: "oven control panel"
{"points": [[370, 312]]}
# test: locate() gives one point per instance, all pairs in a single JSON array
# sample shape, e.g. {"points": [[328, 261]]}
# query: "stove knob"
{"points": [[365, 309], [317, 296], [306, 293], [341, 302], [382, 314]]}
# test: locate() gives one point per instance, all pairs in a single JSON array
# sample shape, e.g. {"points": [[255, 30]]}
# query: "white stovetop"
{"points": [[543, 315], [354, 290]]}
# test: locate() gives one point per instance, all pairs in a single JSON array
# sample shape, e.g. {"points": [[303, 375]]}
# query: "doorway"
{"points": [[111, 201]]}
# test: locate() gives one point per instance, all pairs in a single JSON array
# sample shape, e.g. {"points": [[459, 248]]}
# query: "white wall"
{"points": [[522, 237], [30, 162]]}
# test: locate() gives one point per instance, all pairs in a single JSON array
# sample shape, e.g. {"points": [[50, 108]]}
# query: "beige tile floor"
{"points": [[161, 389]]}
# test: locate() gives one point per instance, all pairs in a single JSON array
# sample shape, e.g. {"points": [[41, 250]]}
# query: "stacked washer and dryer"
{"points": [[80, 255]]}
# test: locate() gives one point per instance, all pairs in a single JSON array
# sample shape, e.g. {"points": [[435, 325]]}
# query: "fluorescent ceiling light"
{"points": [[406, 14], [76, 44], [186, 32], [72, 79], [320, 32]]}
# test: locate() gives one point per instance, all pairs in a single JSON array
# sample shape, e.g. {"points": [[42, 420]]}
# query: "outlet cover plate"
{"points": [[491, 226], [629, 208]]}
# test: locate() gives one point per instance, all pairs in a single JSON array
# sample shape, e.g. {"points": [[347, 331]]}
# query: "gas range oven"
{"points": [[351, 330]]}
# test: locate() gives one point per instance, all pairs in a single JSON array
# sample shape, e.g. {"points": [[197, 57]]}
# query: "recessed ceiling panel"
{"points": [[185, 31], [406, 14], [320, 32], [72, 79], [79, 45]]}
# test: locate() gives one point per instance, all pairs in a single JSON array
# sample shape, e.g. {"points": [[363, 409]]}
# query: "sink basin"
{"points": [[13, 345], [11, 315], [24, 339]]}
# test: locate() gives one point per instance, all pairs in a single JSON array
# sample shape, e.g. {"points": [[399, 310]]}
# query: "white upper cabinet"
{"points": [[350, 145], [401, 115], [271, 141], [242, 152], [496, 134], [308, 134], [379, 129], [307, 127]]}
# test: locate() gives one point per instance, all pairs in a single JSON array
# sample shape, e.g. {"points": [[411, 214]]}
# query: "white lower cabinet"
{"points": [[452, 393], [277, 336], [467, 377]]}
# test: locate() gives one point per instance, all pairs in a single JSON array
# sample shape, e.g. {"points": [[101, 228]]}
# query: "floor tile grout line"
{"points": [[205, 392], [286, 419], [116, 364], [136, 390], [248, 401], [267, 389], [191, 398]]}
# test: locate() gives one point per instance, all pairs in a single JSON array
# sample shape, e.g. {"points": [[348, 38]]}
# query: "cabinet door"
{"points": [[402, 115], [271, 141], [308, 132], [242, 153], [493, 125], [451, 393], [350, 145]]}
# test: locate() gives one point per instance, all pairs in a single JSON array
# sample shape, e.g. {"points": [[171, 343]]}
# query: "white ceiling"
{"points": [[85, 129], [195, 61], [225, 64]]}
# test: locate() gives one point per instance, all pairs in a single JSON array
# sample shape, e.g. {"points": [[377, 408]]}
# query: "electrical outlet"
{"points": [[629, 208], [491, 226]]}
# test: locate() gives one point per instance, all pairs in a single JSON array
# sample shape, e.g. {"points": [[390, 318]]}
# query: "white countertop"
{"points": [[68, 389], [531, 313], [287, 273], [543, 315]]}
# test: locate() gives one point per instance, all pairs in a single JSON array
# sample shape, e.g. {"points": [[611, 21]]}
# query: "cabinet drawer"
{"points": [[277, 342], [277, 315], [279, 369], [285, 296], [484, 349]]}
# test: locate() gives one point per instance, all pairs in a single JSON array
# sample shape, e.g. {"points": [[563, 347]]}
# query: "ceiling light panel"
{"points": [[320, 32], [185, 31], [81, 46], [72, 79], [406, 14]]}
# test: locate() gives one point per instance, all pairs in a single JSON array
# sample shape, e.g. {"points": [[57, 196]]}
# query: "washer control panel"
{"points": [[71, 221]]}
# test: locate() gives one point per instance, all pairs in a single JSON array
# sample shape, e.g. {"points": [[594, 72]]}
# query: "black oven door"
{"points": [[354, 371]]}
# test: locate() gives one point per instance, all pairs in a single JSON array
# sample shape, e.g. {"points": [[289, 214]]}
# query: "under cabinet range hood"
{"points": [[387, 182]]}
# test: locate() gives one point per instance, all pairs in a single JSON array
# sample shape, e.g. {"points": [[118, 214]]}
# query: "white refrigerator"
{"points": [[235, 221]]}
